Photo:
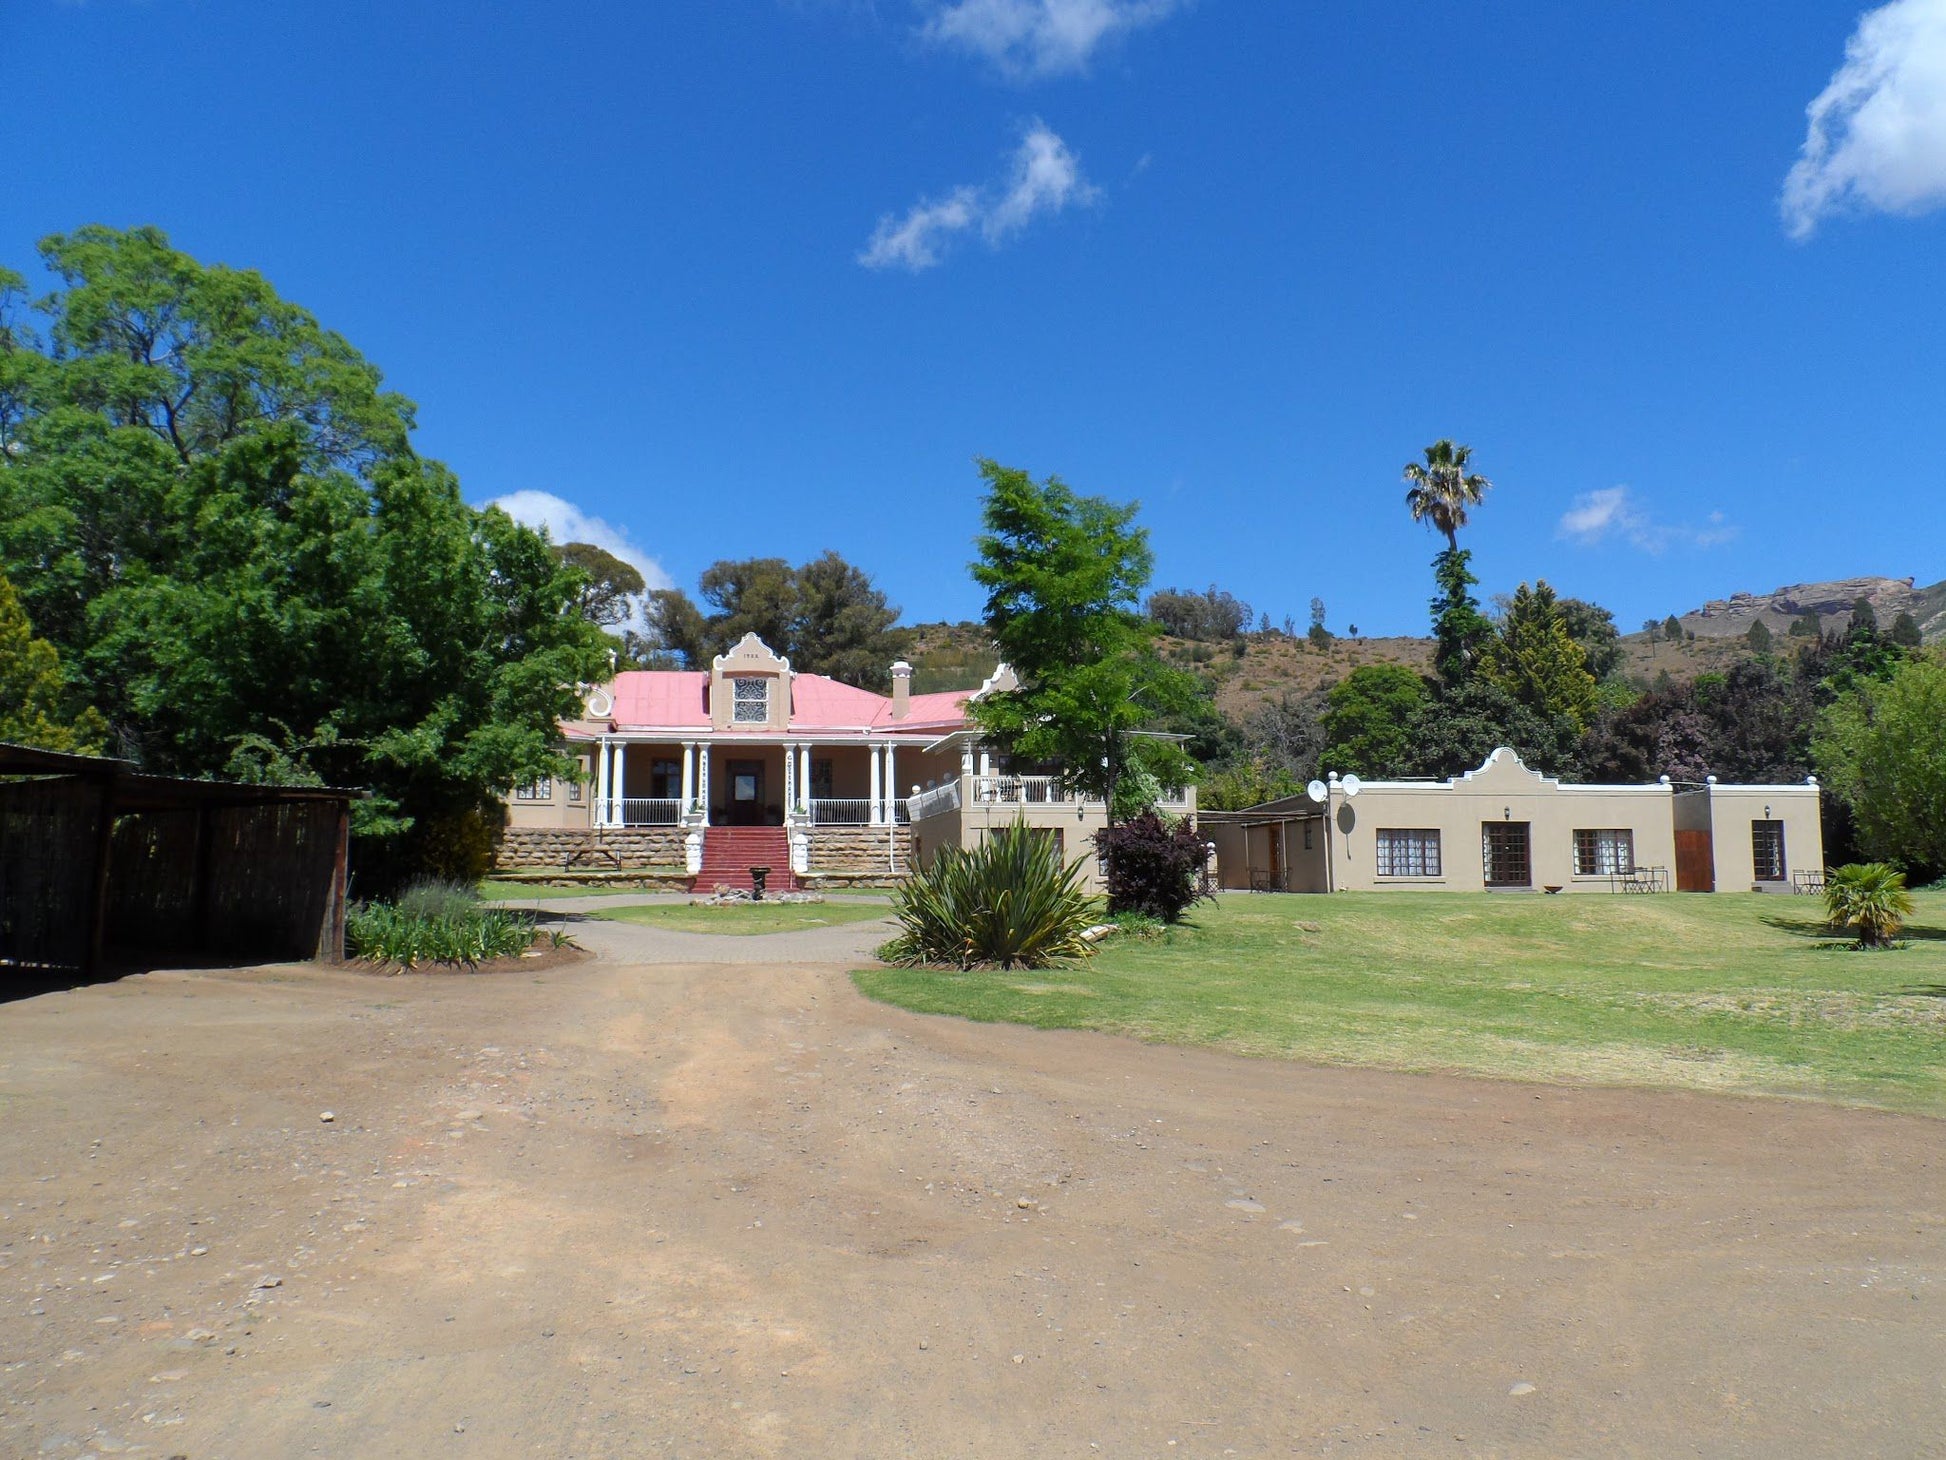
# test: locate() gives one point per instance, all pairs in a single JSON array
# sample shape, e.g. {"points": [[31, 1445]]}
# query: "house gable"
{"points": [[750, 689]]}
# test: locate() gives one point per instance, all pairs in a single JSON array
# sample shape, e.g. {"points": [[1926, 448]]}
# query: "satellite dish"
{"points": [[1352, 785], [1316, 791]]}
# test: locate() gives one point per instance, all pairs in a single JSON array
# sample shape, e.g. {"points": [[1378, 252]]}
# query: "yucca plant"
{"points": [[1009, 902], [1869, 897]]}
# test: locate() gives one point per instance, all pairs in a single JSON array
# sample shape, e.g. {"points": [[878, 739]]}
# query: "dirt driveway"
{"points": [[728, 1210]]}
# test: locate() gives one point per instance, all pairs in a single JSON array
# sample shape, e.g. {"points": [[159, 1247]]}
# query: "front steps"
{"points": [[729, 852]]}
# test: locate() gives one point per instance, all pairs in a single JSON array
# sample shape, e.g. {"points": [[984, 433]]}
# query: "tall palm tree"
{"points": [[1442, 489]]}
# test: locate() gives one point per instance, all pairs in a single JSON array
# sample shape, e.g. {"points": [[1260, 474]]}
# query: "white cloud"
{"points": [[912, 242], [1613, 513], [1031, 38], [1044, 177], [567, 523], [1877, 135]]}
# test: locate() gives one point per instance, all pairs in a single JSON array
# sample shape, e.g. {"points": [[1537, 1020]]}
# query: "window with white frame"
{"points": [[575, 785], [1767, 850], [541, 790], [1408, 853], [751, 699], [1604, 853]]}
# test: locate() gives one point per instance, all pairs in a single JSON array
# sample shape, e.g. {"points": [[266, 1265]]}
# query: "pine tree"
{"points": [[1536, 660]]}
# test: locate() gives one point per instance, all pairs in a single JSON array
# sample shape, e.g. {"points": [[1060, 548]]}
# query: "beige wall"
{"points": [[1503, 793], [566, 805], [1734, 809]]}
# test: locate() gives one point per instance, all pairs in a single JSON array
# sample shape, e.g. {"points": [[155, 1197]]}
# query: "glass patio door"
{"points": [[1504, 853]]}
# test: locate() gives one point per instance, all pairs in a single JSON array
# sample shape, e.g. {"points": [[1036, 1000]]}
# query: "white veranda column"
{"points": [[702, 777], [621, 784], [878, 789], [804, 774], [601, 782], [790, 783], [891, 784], [688, 777]]}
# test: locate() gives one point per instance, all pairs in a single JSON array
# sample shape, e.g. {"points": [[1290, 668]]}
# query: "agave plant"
{"points": [[1009, 902], [1869, 897]]}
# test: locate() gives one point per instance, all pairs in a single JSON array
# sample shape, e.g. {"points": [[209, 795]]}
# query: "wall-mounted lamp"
{"points": [[1766, 813], [1506, 813]]}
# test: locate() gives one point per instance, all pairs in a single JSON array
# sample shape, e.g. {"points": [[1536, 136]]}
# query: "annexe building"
{"points": [[692, 777], [1504, 827]]}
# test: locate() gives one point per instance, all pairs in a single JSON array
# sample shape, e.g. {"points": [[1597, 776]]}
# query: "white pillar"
{"points": [[688, 777], [601, 782], [878, 791], [790, 784], [804, 773], [621, 784], [891, 784], [986, 761], [702, 778]]}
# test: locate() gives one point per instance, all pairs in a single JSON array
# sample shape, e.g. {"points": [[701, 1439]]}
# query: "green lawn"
{"points": [[496, 891], [1728, 992], [745, 917]]}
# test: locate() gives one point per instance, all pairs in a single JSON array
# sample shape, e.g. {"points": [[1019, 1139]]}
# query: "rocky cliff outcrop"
{"points": [[1889, 597]]}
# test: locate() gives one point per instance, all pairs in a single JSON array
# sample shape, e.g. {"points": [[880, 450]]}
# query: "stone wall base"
{"points": [[852, 852], [591, 849]]}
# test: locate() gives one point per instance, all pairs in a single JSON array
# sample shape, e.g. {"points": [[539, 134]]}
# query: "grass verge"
{"points": [[1729, 992], [494, 890], [744, 917]]}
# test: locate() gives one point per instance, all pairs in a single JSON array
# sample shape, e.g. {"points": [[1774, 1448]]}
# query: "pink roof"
{"points": [[675, 698], [661, 697]]}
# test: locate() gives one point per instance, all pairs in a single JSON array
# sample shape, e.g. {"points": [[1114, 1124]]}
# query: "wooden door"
{"points": [[746, 792], [1695, 862]]}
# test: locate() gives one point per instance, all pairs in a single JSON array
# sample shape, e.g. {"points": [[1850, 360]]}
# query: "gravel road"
{"points": [[636, 1207]]}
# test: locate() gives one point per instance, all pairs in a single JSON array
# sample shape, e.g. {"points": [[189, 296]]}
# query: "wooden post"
{"points": [[331, 938]]}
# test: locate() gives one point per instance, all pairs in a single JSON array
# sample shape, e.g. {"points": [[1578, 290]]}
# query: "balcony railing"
{"points": [[642, 811], [932, 803], [1052, 791], [1023, 790]]}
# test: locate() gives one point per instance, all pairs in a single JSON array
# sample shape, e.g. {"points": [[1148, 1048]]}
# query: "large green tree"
{"points": [[1368, 719], [826, 617], [1881, 745], [211, 507], [1064, 575], [610, 587]]}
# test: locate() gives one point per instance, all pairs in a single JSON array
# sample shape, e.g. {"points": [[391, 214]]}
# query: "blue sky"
{"points": [[764, 276]]}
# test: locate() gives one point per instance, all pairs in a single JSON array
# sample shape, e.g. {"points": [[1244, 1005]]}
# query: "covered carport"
{"points": [[101, 865]]}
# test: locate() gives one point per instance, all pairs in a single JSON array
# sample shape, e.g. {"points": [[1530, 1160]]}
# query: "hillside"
{"points": [[1259, 667]]}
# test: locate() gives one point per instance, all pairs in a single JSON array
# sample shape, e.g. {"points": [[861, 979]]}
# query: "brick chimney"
{"points": [[901, 689]]}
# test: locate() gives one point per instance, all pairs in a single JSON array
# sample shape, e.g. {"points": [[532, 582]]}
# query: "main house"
{"points": [[696, 776], [1504, 827]]}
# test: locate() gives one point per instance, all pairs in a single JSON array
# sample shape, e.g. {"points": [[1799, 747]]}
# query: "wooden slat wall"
{"points": [[48, 832]]}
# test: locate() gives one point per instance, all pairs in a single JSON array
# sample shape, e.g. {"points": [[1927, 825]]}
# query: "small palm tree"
{"points": [[1442, 489], [1870, 897]]}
